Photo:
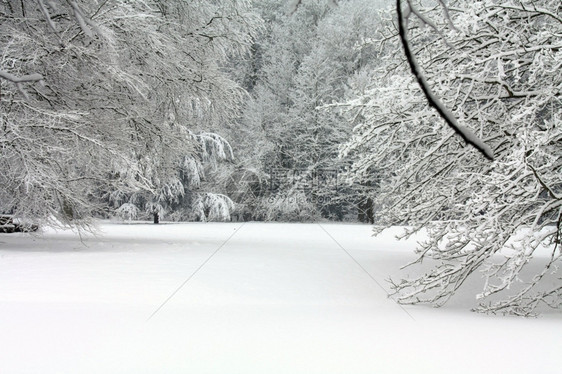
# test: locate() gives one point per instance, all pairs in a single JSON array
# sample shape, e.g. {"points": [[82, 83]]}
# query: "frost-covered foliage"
{"points": [[214, 148], [154, 208], [128, 212], [97, 96], [176, 192], [213, 207], [498, 67]]}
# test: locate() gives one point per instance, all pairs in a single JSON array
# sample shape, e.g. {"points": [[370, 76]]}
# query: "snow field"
{"points": [[245, 298]]}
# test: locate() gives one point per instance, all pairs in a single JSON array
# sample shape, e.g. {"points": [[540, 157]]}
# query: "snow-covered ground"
{"points": [[242, 298]]}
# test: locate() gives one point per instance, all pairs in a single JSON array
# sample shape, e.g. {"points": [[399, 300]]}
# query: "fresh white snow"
{"points": [[242, 298]]}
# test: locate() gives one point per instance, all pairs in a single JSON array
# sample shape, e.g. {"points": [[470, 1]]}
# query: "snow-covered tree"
{"points": [[306, 58], [178, 196], [496, 66], [213, 207], [97, 97]]}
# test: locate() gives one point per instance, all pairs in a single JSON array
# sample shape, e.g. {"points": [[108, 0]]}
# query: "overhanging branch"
{"points": [[465, 133]]}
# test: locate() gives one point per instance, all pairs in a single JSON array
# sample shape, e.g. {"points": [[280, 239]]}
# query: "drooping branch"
{"points": [[466, 134]]}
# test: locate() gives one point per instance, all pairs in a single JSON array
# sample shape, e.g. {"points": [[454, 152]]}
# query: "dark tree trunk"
{"points": [[156, 217], [366, 211]]}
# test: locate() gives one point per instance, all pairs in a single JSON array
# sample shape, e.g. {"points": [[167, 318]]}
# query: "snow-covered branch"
{"points": [[466, 134], [17, 81]]}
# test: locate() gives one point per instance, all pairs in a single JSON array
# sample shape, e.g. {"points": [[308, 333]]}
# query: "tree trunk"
{"points": [[156, 217], [366, 211]]}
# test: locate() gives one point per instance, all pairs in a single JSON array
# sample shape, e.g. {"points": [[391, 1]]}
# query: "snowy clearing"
{"points": [[251, 298]]}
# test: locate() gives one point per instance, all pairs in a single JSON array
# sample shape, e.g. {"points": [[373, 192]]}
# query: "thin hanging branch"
{"points": [[432, 99]]}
